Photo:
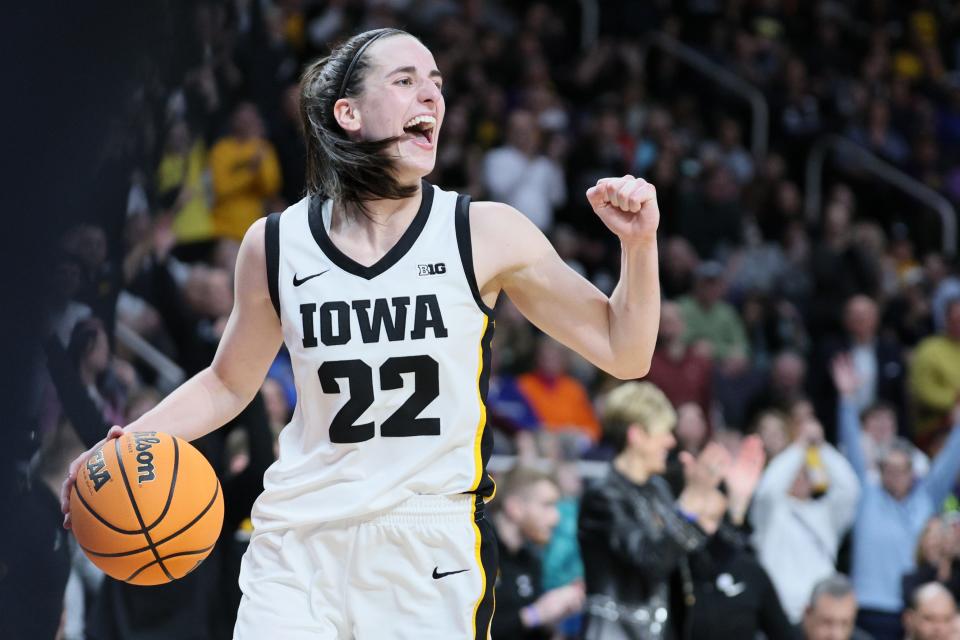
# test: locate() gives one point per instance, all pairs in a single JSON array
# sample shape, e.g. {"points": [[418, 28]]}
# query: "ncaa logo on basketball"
{"points": [[95, 469], [145, 440], [431, 269]]}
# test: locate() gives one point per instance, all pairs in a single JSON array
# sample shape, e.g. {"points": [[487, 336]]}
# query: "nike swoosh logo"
{"points": [[297, 282], [437, 576]]}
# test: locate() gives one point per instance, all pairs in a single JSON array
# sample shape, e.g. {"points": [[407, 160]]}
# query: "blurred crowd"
{"points": [[803, 397]]}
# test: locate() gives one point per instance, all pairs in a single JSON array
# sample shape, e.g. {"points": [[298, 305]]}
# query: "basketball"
{"points": [[147, 508]]}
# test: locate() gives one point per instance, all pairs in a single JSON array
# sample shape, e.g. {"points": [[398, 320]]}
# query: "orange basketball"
{"points": [[146, 508]]}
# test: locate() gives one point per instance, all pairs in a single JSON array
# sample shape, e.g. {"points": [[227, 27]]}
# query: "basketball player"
{"points": [[382, 287]]}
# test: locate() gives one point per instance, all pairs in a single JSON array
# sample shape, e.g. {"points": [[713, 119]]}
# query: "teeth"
{"points": [[430, 120]]}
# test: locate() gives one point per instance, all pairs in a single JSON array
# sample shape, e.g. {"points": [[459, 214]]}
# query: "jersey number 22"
{"points": [[404, 421]]}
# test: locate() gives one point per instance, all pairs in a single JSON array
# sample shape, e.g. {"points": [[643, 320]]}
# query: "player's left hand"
{"points": [[628, 206]]}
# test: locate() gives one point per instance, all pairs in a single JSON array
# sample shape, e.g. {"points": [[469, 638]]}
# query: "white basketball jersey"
{"points": [[391, 363]]}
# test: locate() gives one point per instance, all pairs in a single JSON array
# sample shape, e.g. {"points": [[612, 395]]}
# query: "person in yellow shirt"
{"points": [[182, 175], [935, 377], [246, 173]]}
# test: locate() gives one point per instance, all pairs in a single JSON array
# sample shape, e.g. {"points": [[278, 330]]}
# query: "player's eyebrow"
{"points": [[408, 69]]}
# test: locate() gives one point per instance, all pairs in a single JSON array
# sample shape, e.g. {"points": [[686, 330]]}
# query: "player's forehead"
{"points": [[400, 51]]}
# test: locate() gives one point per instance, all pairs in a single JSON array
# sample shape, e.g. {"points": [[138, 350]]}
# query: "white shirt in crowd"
{"points": [[532, 185], [797, 540]]}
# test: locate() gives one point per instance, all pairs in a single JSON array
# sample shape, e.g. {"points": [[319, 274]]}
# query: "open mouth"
{"points": [[421, 129]]}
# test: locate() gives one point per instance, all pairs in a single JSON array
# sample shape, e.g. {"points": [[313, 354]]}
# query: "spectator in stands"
{"points": [[524, 517], [935, 376], [181, 179], [521, 176], [785, 385], [676, 368], [733, 595], [937, 559], [90, 351], [892, 513], [678, 267], [832, 612], [246, 173], [64, 310], [930, 614], [771, 426], [840, 267], [806, 502], [633, 535], [557, 398], [878, 360], [879, 422], [713, 325]]}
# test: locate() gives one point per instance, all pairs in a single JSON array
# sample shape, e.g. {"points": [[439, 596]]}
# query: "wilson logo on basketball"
{"points": [[96, 470], [144, 441]]}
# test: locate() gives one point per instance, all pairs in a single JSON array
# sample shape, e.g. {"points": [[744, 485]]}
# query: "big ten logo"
{"points": [[431, 269], [96, 469], [144, 441]]}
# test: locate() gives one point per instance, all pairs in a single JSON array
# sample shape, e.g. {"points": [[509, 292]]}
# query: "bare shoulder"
{"points": [[251, 270], [499, 228], [504, 241]]}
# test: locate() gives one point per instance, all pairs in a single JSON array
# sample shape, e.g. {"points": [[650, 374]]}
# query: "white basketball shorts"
{"points": [[424, 570]]}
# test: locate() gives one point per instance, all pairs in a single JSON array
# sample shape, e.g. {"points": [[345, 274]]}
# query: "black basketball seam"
{"points": [[173, 483], [160, 560], [136, 510], [96, 515], [216, 492]]}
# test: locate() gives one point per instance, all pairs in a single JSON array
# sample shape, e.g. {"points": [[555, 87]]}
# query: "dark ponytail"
{"points": [[337, 167]]}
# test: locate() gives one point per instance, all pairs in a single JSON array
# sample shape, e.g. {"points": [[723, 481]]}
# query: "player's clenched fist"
{"points": [[628, 206]]}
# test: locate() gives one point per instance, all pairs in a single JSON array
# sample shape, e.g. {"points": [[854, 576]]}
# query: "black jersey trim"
{"points": [[390, 258], [465, 245], [272, 238]]}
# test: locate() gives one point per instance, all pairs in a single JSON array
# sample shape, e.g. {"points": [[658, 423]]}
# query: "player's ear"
{"points": [[347, 115]]}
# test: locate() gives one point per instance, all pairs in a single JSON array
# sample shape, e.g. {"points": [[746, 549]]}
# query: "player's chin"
{"points": [[417, 161]]}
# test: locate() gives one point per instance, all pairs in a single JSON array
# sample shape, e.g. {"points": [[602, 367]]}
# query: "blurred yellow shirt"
{"points": [[240, 188], [192, 222]]}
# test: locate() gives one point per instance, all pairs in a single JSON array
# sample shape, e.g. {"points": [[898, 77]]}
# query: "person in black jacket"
{"points": [[524, 517], [634, 537]]}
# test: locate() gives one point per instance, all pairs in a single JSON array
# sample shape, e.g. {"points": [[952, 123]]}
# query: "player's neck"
{"points": [[380, 225]]}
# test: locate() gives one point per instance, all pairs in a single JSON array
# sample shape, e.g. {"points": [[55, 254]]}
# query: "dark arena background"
{"points": [[806, 157]]}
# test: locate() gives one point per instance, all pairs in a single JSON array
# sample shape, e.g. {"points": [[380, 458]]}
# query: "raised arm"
{"points": [[618, 333], [945, 467], [846, 382], [220, 392], [844, 490]]}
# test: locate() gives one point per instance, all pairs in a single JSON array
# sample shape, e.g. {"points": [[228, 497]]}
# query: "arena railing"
{"points": [[713, 72], [170, 376], [863, 159]]}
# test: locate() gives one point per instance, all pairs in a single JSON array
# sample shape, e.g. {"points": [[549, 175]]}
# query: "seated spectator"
{"points": [[712, 325], [892, 513], [935, 377], [519, 175], [246, 173], [525, 516], [789, 514], [558, 399], [930, 613], [89, 349], [937, 559], [832, 612], [676, 368], [633, 536]]}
